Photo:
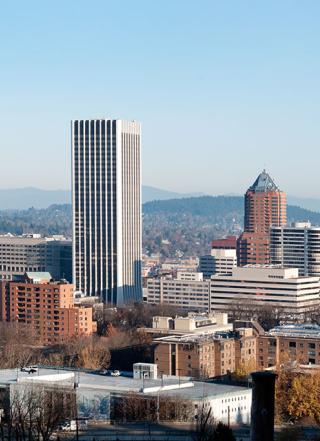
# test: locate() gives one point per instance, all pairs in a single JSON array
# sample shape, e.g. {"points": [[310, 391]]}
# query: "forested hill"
{"points": [[171, 227], [219, 206]]}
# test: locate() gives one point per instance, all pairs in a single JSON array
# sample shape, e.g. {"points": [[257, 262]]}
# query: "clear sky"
{"points": [[222, 88]]}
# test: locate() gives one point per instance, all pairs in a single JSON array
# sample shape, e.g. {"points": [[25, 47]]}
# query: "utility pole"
{"points": [[179, 369], [158, 398]]}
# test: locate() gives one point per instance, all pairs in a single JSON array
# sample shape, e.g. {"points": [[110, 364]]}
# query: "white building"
{"points": [[296, 246], [192, 324], [97, 395], [106, 190], [188, 294], [260, 285], [220, 261]]}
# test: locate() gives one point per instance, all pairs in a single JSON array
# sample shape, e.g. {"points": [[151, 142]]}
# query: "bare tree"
{"points": [[33, 413]]}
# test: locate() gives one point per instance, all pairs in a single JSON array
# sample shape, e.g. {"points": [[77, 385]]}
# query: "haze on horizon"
{"points": [[223, 89]]}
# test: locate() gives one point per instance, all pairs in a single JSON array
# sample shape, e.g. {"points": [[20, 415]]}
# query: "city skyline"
{"points": [[242, 84]]}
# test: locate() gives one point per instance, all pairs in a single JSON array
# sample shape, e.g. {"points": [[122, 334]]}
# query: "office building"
{"points": [[46, 307], [281, 289], [220, 261], [187, 294], [265, 205], [106, 188], [296, 246], [31, 252], [289, 343]]}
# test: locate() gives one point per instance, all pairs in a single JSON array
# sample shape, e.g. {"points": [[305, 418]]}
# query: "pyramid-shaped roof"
{"points": [[263, 183]]}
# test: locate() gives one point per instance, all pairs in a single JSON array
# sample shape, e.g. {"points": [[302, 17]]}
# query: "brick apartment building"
{"points": [[300, 343], [46, 306], [206, 355]]}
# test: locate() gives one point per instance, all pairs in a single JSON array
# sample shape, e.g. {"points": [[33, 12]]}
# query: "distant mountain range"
{"points": [[24, 198]]}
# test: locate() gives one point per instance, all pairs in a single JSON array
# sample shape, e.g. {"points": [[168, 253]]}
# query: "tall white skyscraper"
{"points": [[106, 189]]}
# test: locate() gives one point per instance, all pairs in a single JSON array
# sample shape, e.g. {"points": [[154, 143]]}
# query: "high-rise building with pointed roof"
{"points": [[265, 205]]}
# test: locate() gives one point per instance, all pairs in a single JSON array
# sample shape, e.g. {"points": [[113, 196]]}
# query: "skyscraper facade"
{"points": [[106, 188], [296, 246], [265, 205]]}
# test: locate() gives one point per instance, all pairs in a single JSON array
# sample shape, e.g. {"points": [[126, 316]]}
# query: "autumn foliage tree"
{"points": [[297, 396]]}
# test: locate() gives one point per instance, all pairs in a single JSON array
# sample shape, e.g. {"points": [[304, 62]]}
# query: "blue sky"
{"points": [[222, 88]]}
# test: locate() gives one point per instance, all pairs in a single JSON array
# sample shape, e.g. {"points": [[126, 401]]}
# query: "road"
{"points": [[160, 432], [142, 432]]}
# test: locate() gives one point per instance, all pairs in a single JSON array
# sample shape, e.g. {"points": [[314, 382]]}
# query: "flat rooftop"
{"points": [[197, 338], [90, 381], [300, 330]]}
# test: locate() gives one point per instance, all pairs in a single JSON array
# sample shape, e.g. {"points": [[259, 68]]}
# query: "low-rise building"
{"points": [[289, 343], [193, 323], [47, 307], [103, 398]]}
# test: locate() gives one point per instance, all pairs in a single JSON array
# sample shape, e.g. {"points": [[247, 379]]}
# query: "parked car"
{"points": [[71, 426], [29, 369], [115, 373]]}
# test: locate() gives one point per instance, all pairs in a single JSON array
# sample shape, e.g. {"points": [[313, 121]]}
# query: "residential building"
{"points": [[265, 205], [106, 189], [102, 396], [187, 294], [31, 252], [296, 246], [289, 343], [221, 261], [47, 307], [271, 286], [205, 355]]}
